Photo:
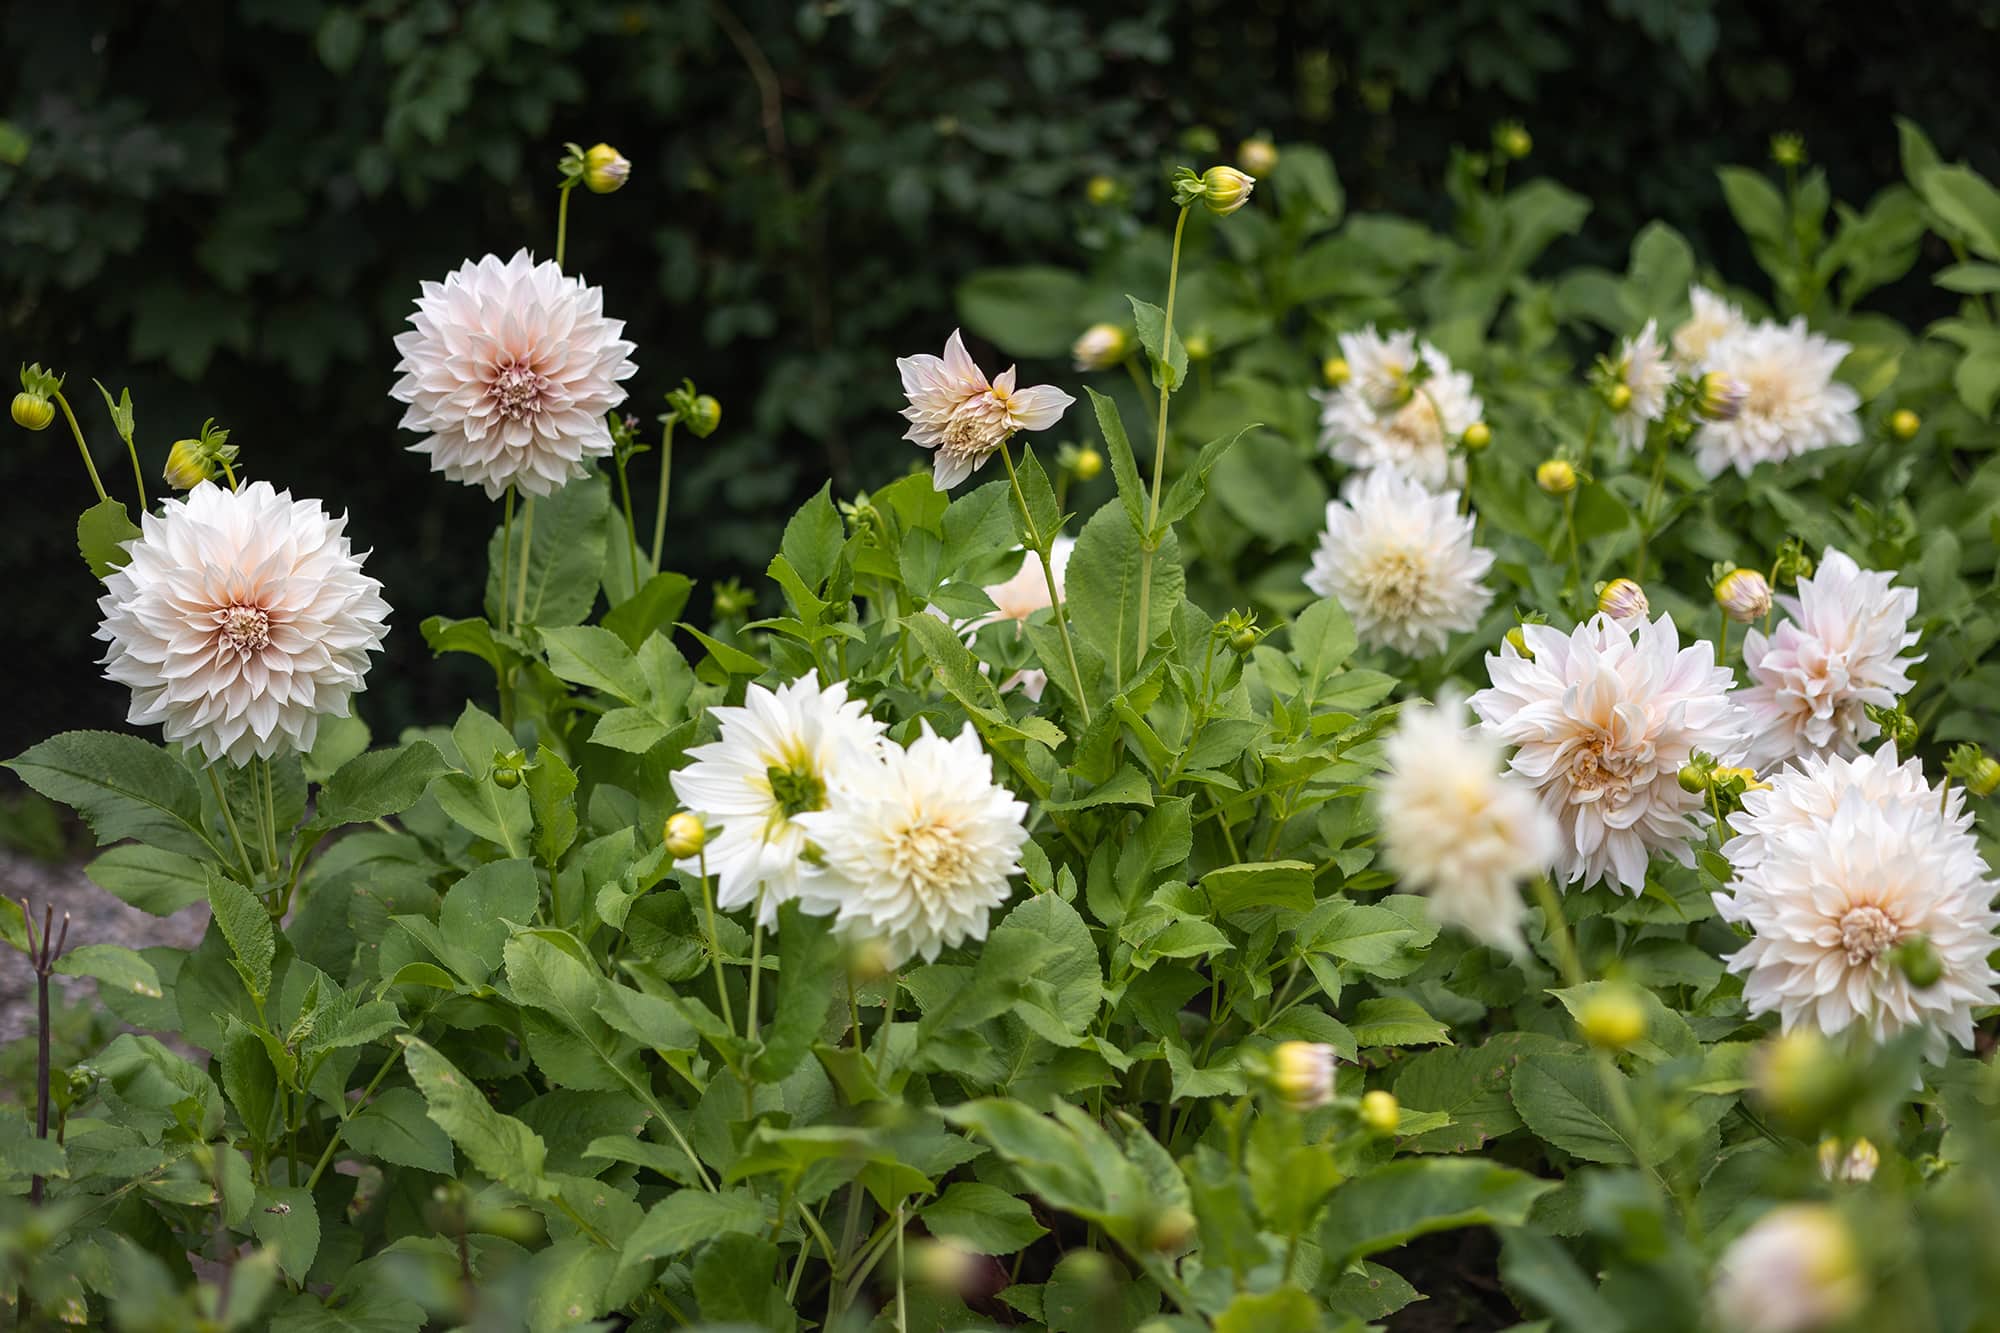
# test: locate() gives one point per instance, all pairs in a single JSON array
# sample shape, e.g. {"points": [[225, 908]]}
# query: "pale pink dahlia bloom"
{"points": [[1839, 651], [1018, 598], [510, 371], [1836, 864], [1711, 317], [1400, 560], [239, 620], [955, 410], [1643, 368], [1603, 719], [1792, 404], [1402, 407]]}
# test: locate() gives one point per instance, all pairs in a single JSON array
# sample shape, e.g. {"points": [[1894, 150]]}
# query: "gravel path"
{"points": [[96, 917]]}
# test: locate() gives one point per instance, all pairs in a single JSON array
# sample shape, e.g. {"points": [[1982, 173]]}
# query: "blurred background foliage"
{"points": [[229, 205]]}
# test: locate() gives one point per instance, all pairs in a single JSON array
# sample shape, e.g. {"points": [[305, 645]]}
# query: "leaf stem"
{"points": [[82, 448]]}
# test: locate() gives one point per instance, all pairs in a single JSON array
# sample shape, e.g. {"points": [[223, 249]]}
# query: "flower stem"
{"points": [[235, 834], [1653, 492], [506, 560], [562, 222], [1152, 399], [1042, 542], [756, 965], [347, 1113], [1722, 640], [1558, 927], [715, 946], [1569, 526], [1147, 541], [83, 448], [527, 545], [666, 481], [270, 808], [902, 1313], [631, 528]]}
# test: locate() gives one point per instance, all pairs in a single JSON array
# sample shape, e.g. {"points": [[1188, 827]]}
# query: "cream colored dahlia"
{"points": [[1603, 719], [1710, 318], [510, 371], [1792, 404], [781, 755], [1795, 1270], [1020, 597], [1644, 370], [919, 844], [1389, 415], [1457, 828], [1836, 864], [1839, 651], [956, 411], [1400, 559], [239, 620]]}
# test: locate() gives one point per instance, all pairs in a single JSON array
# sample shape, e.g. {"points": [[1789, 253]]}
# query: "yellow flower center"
{"points": [[931, 855], [1396, 581]]}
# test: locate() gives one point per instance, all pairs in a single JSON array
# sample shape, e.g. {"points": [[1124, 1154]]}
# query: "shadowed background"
{"points": [[229, 206]]}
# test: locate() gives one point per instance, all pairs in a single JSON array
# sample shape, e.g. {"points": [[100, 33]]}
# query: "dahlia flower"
{"points": [[1792, 405], [1400, 559], [1838, 652], [1604, 717], [1019, 598], [956, 411], [239, 620], [1302, 1073], [1455, 827], [782, 754], [1710, 318], [1795, 1269], [1643, 369], [1836, 864], [918, 845], [510, 372], [1382, 417]]}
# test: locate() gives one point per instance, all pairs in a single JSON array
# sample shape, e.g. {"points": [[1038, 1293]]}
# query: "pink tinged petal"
{"points": [[1039, 407]]}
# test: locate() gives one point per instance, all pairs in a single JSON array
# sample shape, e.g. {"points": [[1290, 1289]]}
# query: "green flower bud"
{"points": [[1171, 1231], [1719, 397], [1087, 465], [1618, 396], [1612, 1018], [686, 835], [1556, 476], [1788, 150], [705, 416], [187, 465], [1622, 599], [1100, 347], [1101, 191], [1917, 958], [1985, 777], [1381, 1112], [605, 169], [1225, 189], [1302, 1074], [32, 412], [1512, 140], [1744, 595], [1476, 437], [1198, 346], [1904, 424], [1259, 156], [1334, 370]]}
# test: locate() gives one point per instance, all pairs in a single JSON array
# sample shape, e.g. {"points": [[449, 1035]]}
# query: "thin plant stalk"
{"points": [[715, 944], [42, 957], [235, 833], [506, 558], [666, 482], [631, 528], [527, 545], [562, 222], [1042, 542], [1146, 542], [82, 448]]}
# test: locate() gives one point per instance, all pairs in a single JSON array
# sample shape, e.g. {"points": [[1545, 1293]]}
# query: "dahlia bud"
{"points": [[1302, 1074], [1198, 346], [1719, 397], [1918, 960], [705, 417], [1904, 424], [1225, 189], [868, 960], [1476, 437], [1101, 190], [1334, 370], [507, 770], [1788, 150], [32, 412], [1556, 476], [1380, 1112], [186, 467], [1612, 1018], [942, 1265], [1240, 629], [1087, 465], [605, 169], [1100, 347], [732, 600], [1622, 599], [1798, 1076], [1985, 778], [1618, 396], [1259, 156], [1744, 595], [1693, 779], [686, 835], [1796, 1270], [1855, 1162], [1519, 643], [1896, 726], [1512, 140], [1171, 1231]]}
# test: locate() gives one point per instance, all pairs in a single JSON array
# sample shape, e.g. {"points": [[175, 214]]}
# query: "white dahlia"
{"points": [[239, 620], [1710, 318], [1457, 828], [1837, 863], [1792, 405], [1400, 559], [782, 754], [1646, 373], [1386, 416], [1839, 651], [1796, 1269], [510, 371], [919, 845], [1020, 597], [1604, 717], [956, 411]]}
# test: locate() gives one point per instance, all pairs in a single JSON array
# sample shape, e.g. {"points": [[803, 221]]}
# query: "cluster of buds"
{"points": [[1792, 563], [864, 520], [1258, 155], [601, 169], [1222, 189], [1897, 726], [1977, 771], [685, 835], [208, 455], [1100, 347], [32, 408], [1623, 600], [699, 412], [1705, 775], [1239, 630], [1080, 461], [1743, 594]]}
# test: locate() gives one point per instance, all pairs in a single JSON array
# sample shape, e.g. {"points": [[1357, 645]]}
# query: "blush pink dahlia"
{"points": [[239, 620], [955, 410], [509, 372]]}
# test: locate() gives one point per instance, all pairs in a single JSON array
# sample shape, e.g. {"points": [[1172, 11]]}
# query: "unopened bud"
{"points": [[1694, 778], [1335, 371], [1476, 437], [1519, 642], [703, 416], [1744, 595], [1198, 346], [1171, 1231], [1225, 189], [1622, 599], [508, 768], [1101, 190], [1259, 156], [1719, 397], [1618, 396], [1788, 150], [1917, 958], [32, 411], [1799, 1078], [686, 835], [1612, 1018], [187, 465], [1100, 347], [1856, 1162], [868, 959], [1904, 424], [1556, 476], [1088, 466], [1512, 140], [1381, 1112], [1985, 777], [1302, 1074], [605, 169], [942, 1265]]}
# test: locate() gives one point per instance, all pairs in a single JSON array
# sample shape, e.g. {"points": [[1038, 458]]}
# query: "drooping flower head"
{"points": [[239, 620], [781, 755], [1604, 717], [1456, 828], [1839, 651], [1711, 317], [1795, 1270], [1645, 374], [1837, 863], [918, 845], [955, 410], [1791, 403], [1400, 559], [1402, 406], [509, 371]]}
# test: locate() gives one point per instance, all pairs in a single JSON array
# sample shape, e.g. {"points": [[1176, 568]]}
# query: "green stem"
{"points": [[506, 560], [902, 1312], [666, 480], [1042, 543], [270, 818], [1722, 639], [1146, 392], [1569, 526], [715, 945], [347, 1113], [1146, 539], [235, 834], [562, 222], [631, 530], [756, 964], [83, 448], [527, 545], [1646, 512], [1557, 925]]}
